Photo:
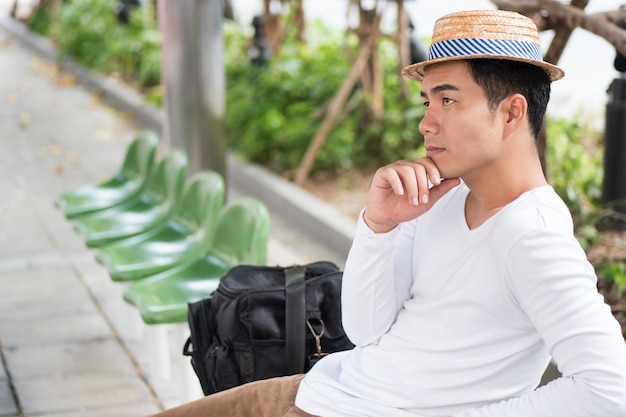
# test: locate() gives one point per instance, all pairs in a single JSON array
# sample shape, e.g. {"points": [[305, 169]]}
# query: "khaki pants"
{"points": [[268, 398]]}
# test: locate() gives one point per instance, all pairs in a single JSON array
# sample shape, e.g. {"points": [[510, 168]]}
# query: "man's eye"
{"points": [[426, 103], [447, 100]]}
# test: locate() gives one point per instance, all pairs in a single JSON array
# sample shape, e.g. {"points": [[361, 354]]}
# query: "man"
{"points": [[464, 278]]}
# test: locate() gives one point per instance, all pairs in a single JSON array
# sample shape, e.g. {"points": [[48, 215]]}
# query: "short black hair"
{"points": [[501, 78]]}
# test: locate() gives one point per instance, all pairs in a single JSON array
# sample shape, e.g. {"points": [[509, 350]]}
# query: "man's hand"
{"points": [[399, 192]]}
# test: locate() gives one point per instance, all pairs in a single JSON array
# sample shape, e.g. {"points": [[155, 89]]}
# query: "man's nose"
{"points": [[429, 123]]}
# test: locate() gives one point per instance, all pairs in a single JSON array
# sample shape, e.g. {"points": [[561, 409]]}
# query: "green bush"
{"points": [[616, 273], [575, 169], [274, 111], [89, 33], [40, 21]]}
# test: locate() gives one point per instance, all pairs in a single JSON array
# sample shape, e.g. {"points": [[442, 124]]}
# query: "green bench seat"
{"points": [[125, 184], [184, 236], [241, 237], [152, 207]]}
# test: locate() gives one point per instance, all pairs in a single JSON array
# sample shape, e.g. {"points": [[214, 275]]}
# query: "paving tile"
{"points": [[99, 356], [19, 245], [34, 269], [43, 332], [79, 391], [44, 263], [126, 320], [43, 302], [42, 294], [95, 276]]}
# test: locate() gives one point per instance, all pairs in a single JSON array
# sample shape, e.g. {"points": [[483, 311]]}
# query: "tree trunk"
{"points": [[331, 112]]}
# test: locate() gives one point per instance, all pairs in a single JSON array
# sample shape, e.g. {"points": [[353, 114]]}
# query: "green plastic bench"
{"points": [[241, 238], [125, 184], [152, 207], [184, 236]]}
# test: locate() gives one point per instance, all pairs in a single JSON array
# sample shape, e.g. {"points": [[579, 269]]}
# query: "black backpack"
{"points": [[263, 322]]}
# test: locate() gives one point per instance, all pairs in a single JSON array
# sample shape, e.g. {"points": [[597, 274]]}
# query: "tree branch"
{"points": [[601, 24], [594, 23]]}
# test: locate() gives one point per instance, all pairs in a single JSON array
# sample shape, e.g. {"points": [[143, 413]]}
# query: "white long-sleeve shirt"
{"points": [[450, 321]]}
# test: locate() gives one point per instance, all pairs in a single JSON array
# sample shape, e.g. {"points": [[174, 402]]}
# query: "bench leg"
{"points": [[159, 347]]}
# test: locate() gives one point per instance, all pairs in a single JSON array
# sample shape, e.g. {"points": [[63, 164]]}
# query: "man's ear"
{"points": [[516, 108]]}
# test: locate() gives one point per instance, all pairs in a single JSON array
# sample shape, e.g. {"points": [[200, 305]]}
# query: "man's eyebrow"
{"points": [[440, 88]]}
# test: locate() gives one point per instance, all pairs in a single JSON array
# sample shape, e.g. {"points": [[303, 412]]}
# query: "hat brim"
{"points": [[416, 71]]}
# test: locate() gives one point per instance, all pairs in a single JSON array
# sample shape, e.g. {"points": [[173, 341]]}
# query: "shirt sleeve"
{"points": [[376, 281], [556, 288]]}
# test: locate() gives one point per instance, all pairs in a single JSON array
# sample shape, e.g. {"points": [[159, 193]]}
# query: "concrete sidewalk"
{"points": [[69, 345]]}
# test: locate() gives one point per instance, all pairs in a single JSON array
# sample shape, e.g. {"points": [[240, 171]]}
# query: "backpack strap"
{"points": [[295, 318]]}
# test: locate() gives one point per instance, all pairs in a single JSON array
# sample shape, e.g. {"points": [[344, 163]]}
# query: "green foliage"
{"points": [[40, 21], [274, 111], [575, 170], [88, 32], [85, 31], [616, 272], [401, 138]]}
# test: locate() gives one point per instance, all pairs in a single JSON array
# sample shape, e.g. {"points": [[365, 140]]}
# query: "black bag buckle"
{"points": [[318, 338]]}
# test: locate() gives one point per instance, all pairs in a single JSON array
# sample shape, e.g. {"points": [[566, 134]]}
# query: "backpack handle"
{"points": [[295, 318]]}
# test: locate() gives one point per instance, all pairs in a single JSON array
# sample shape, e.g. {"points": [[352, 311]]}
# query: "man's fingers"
{"points": [[410, 179], [388, 177], [414, 180], [418, 174]]}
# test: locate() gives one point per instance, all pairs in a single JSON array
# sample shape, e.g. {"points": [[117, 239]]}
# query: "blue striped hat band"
{"points": [[473, 47]]}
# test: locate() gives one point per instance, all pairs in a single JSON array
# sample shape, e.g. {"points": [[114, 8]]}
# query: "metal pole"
{"points": [[194, 81], [614, 184], [211, 150]]}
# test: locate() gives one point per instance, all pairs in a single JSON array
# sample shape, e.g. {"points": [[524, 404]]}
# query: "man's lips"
{"points": [[433, 150]]}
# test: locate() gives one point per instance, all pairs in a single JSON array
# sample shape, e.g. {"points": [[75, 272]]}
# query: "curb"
{"points": [[308, 214]]}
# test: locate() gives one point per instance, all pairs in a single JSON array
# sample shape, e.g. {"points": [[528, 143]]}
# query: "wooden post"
{"points": [[372, 76], [404, 57], [368, 68], [333, 109], [13, 12], [272, 27], [300, 21], [56, 7]]}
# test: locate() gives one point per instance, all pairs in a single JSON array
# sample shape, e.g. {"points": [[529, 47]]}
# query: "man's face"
{"points": [[461, 135]]}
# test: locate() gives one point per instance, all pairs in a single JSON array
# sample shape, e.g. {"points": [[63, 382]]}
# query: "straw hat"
{"points": [[496, 34]]}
